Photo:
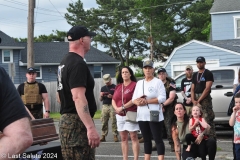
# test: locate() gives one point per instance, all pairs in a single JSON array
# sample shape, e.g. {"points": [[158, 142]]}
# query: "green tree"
{"points": [[197, 21], [173, 23], [116, 25], [55, 36], [161, 20]]}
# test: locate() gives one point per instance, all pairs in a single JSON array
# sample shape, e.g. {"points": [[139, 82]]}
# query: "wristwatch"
{"points": [[162, 104]]}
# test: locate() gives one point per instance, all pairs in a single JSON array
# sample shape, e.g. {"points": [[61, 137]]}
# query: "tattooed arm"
{"points": [[177, 144], [81, 104]]}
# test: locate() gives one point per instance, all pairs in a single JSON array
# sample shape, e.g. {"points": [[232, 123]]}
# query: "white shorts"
{"points": [[122, 125]]}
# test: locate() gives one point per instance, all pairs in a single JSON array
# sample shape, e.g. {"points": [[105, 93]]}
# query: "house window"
{"points": [[39, 72], [237, 27], [97, 71], [7, 56]]}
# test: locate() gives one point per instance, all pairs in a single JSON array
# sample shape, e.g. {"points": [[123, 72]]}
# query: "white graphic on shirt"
{"points": [[187, 89], [60, 69]]}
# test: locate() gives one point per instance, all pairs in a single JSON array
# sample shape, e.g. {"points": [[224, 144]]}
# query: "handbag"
{"points": [[130, 115], [154, 114]]}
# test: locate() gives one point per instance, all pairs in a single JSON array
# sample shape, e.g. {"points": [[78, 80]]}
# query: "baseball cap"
{"points": [[31, 70], [77, 32], [106, 78], [189, 67], [148, 63], [161, 70], [200, 59]]}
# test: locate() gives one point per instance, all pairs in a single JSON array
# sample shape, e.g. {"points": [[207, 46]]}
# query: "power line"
{"points": [[55, 8]]}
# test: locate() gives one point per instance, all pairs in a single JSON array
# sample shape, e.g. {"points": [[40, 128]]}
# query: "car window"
{"points": [[223, 77], [178, 82]]}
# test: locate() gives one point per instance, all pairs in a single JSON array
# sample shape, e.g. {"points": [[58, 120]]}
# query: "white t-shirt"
{"points": [[152, 89], [236, 81]]}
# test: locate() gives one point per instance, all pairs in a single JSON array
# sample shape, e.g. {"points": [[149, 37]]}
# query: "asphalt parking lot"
{"points": [[111, 150]]}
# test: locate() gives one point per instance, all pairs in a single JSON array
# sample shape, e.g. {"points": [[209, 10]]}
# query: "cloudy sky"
{"points": [[49, 15]]}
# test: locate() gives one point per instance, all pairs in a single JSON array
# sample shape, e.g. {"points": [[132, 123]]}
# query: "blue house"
{"points": [[48, 55], [224, 48]]}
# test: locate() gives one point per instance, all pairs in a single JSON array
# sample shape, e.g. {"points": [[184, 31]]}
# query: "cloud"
{"points": [[49, 16]]}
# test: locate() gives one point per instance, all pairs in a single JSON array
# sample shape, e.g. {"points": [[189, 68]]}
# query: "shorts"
{"points": [[123, 125]]}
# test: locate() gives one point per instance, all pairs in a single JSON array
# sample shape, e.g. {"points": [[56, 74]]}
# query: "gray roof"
{"points": [[7, 40], [225, 6], [53, 52], [230, 44]]}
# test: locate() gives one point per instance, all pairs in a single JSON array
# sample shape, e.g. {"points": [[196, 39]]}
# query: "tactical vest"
{"points": [[31, 94]]}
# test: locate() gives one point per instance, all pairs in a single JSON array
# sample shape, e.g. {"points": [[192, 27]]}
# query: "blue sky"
{"points": [[49, 15]]}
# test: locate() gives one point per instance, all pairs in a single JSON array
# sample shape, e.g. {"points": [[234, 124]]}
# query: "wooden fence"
{"points": [[52, 89]]}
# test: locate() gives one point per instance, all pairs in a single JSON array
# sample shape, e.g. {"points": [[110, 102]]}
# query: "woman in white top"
{"points": [[148, 94]]}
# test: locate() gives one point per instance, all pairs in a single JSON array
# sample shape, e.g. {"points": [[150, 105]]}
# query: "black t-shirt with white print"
{"points": [[73, 72], [186, 88], [200, 79]]}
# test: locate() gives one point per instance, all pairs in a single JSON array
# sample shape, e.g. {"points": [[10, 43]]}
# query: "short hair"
{"points": [[237, 95]]}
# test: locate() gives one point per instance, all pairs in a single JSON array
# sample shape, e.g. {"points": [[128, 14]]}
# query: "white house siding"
{"points": [[223, 26], [187, 54]]}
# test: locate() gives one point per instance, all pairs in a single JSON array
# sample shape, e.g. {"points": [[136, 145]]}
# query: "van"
{"points": [[221, 91]]}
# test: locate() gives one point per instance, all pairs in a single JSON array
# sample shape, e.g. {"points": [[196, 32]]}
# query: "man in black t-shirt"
{"points": [[14, 120], [78, 134], [106, 94], [33, 94], [186, 89], [200, 95]]}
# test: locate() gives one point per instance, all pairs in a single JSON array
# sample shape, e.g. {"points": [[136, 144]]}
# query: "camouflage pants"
{"points": [[188, 110], [73, 138], [168, 114], [208, 114], [108, 112], [37, 114]]}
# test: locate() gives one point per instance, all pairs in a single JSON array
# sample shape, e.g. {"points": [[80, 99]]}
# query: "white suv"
{"points": [[221, 91]]}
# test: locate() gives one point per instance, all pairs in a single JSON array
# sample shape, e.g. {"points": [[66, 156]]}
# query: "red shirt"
{"points": [[198, 129], [127, 96]]}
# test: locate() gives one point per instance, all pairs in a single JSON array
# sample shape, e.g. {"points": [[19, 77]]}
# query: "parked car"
{"points": [[221, 91]]}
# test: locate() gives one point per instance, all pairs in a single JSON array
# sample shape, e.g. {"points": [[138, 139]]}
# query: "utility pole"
{"points": [[30, 54], [151, 39]]}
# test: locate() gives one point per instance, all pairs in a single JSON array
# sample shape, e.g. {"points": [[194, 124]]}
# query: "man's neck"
{"points": [[201, 70], [77, 50]]}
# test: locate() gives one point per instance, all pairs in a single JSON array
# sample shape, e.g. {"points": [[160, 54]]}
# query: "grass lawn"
{"points": [[56, 115]]}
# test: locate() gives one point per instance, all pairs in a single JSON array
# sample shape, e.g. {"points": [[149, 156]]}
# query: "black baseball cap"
{"points": [[161, 70], [31, 70], [77, 32], [200, 59]]}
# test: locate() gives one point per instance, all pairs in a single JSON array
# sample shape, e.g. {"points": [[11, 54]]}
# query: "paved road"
{"points": [[111, 150]]}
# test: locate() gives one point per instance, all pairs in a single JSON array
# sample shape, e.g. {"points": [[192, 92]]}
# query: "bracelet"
{"points": [[47, 111]]}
